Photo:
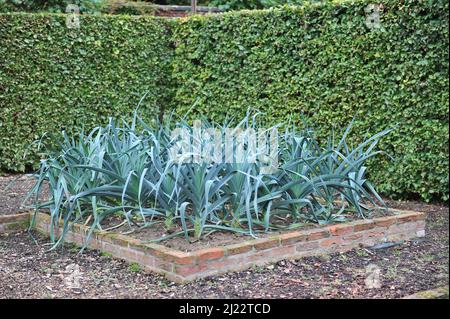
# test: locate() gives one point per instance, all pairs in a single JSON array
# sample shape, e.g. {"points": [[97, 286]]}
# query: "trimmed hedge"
{"points": [[322, 62], [317, 62], [53, 77]]}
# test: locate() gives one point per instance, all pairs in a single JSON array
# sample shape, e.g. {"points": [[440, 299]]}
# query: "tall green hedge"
{"points": [[323, 63], [317, 62], [53, 77]]}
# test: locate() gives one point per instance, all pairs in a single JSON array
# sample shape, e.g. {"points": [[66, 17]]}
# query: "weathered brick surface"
{"points": [[292, 238], [237, 249], [209, 253], [315, 234], [6, 219], [329, 242], [420, 224], [353, 237], [274, 254], [182, 266], [164, 265], [373, 237], [385, 221], [14, 223], [410, 217], [266, 243], [181, 258], [362, 225], [307, 246], [340, 229], [187, 270]]}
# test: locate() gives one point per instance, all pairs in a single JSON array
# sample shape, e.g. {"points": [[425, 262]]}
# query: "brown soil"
{"points": [[27, 270], [13, 190]]}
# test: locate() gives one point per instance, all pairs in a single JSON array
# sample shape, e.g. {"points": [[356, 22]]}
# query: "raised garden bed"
{"points": [[307, 186], [181, 266]]}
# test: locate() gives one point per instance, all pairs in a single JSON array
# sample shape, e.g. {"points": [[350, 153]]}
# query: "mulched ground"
{"points": [[27, 270], [13, 189]]}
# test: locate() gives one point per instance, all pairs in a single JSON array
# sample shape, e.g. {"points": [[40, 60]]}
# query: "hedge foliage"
{"points": [[85, 6], [323, 63], [53, 77]]}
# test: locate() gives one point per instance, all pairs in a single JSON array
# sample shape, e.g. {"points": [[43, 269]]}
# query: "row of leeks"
{"points": [[126, 169]]}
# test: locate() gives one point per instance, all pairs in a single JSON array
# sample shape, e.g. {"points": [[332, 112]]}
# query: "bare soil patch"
{"points": [[13, 190]]}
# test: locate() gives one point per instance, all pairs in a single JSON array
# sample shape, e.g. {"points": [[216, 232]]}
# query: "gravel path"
{"points": [[28, 271]]}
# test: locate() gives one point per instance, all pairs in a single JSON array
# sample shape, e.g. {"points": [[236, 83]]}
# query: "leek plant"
{"points": [[126, 169]]}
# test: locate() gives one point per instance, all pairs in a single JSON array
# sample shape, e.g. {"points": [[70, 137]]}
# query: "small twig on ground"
{"points": [[117, 226], [88, 220]]}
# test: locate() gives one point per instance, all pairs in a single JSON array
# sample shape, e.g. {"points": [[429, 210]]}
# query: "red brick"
{"points": [[95, 244], [187, 270], [393, 229], [352, 237], [292, 238], [181, 258], [119, 239], [257, 256], [327, 242], [157, 250], [79, 238], [307, 246], [42, 218], [362, 225], [392, 237], [265, 256], [266, 243], [374, 233], [373, 237], [281, 251], [421, 216], [145, 260], [317, 234], [223, 264], [410, 217], [15, 226], [109, 248], [164, 264], [403, 227], [239, 248], [4, 219], [133, 243], [209, 253], [128, 254], [385, 221], [99, 235], [340, 229]]}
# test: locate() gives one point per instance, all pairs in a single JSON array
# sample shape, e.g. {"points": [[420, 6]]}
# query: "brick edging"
{"points": [[182, 266], [15, 222], [437, 293]]}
